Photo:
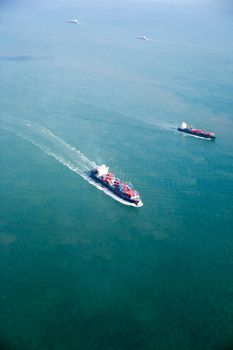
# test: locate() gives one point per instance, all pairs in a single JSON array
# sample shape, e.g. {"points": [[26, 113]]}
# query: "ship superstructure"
{"points": [[124, 190], [188, 129]]}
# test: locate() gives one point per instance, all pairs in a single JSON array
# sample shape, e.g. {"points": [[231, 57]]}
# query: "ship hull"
{"points": [[114, 190], [197, 134]]}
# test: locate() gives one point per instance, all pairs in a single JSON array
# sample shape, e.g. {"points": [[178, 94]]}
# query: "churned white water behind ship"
{"points": [[59, 149]]}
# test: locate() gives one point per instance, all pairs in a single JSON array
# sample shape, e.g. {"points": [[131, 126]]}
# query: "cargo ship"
{"points": [[188, 129], [121, 189]]}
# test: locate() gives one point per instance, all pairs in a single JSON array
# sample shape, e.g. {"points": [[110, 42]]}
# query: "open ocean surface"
{"points": [[78, 269]]}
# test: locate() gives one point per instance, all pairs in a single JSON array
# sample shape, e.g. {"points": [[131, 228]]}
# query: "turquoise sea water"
{"points": [[79, 270]]}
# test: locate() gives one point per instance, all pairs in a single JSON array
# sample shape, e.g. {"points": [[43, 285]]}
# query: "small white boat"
{"points": [[75, 21], [142, 37]]}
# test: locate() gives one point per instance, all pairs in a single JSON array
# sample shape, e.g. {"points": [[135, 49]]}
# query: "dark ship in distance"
{"points": [[121, 189], [188, 129]]}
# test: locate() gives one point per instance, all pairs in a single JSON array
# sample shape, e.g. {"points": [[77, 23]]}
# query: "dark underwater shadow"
{"points": [[19, 58], [226, 347], [4, 346]]}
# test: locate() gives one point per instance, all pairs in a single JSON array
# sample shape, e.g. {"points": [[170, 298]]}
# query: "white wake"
{"points": [[56, 147]]}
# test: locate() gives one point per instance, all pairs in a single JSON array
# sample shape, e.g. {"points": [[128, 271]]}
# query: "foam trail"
{"points": [[56, 147], [165, 126]]}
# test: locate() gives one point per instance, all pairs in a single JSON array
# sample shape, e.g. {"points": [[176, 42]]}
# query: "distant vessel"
{"points": [[188, 129], [75, 21], [121, 189], [142, 37]]}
